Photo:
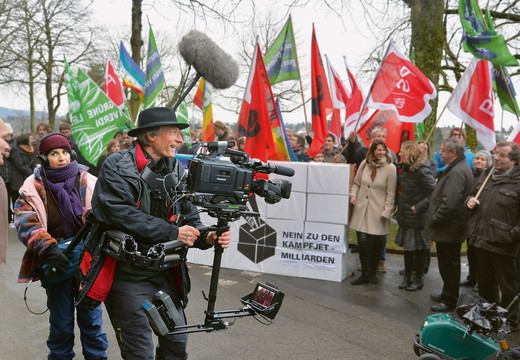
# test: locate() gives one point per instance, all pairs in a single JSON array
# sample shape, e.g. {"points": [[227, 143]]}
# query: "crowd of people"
{"points": [[455, 196]]}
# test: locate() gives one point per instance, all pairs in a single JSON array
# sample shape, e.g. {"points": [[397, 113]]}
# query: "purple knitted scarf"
{"points": [[60, 181]]}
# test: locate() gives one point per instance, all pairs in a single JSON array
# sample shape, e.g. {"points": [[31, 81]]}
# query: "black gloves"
{"points": [[54, 257]]}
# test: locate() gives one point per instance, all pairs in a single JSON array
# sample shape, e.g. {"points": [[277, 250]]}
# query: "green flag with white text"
{"points": [[154, 82], [94, 117], [280, 60]]}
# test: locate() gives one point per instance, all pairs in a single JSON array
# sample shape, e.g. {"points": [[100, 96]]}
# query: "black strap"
{"points": [[80, 235]]}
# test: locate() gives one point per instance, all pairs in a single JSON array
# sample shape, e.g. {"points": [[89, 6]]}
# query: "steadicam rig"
{"points": [[221, 182]]}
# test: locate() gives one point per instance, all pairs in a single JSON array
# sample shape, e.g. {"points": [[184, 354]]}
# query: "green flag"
{"points": [[182, 117], [154, 82], [94, 117], [501, 83], [480, 37], [280, 60]]}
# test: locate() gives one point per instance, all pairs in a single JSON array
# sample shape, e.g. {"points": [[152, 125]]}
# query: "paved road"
{"points": [[318, 319]]}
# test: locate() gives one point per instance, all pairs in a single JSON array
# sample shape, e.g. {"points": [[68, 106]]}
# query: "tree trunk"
{"points": [[136, 42], [428, 41]]}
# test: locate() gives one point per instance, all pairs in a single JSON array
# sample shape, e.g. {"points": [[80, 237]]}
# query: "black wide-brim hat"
{"points": [[156, 117]]}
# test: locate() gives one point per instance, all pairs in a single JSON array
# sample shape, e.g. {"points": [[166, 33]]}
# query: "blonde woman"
{"points": [[222, 131], [416, 183]]}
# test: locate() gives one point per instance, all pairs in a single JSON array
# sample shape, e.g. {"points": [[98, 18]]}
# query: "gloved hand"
{"points": [[54, 257]]}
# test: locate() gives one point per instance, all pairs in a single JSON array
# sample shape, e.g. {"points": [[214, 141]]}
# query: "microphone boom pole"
{"points": [[186, 91]]}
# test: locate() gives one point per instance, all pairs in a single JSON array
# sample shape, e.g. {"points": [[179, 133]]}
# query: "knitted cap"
{"points": [[53, 141], [488, 155]]}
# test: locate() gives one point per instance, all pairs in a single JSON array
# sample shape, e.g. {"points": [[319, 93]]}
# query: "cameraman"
{"points": [[129, 198]]}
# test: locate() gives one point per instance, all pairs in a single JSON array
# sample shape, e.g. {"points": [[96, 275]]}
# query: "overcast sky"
{"points": [[336, 39]]}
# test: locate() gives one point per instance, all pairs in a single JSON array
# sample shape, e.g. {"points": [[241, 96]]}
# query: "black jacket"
{"points": [[21, 164], [496, 221], [415, 188], [447, 216], [116, 202]]}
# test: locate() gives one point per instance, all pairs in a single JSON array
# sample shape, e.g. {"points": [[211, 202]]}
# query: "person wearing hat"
{"points": [[49, 212], [131, 197]]}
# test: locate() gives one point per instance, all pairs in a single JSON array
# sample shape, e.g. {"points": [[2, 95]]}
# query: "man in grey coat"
{"points": [[446, 220]]}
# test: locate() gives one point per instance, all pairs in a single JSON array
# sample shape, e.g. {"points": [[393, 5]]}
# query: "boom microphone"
{"points": [[210, 61]]}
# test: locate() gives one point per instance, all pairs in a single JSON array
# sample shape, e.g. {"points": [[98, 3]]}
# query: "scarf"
{"points": [[60, 181], [499, 176], [373, 164]]}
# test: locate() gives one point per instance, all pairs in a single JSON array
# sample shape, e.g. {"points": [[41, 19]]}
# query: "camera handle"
{"points": [[222, 225]]}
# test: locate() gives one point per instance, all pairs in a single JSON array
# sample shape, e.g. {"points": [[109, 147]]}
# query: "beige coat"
{"points": [[374, 199]]}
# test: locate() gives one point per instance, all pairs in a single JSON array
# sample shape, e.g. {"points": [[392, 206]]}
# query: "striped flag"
{"points": [[154, 82], [133, 76], [202, 100]]}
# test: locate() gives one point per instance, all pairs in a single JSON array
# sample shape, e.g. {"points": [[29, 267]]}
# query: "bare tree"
{"points": [[8, 35], [49, 30]]}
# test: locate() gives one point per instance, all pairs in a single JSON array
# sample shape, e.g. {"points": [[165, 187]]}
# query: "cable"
{"points": [[27, 305]]}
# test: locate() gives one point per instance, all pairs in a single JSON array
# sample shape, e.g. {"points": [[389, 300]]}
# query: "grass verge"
{"points": [[391, 247]]}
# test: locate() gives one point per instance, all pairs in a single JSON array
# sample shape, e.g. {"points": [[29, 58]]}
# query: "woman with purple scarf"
{"points": [[49, 211]]}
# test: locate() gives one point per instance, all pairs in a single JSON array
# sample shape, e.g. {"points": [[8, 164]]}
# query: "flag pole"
{"points": [[509, 92], [300, 78], [436, 122], [484, 184], [371, 88]]}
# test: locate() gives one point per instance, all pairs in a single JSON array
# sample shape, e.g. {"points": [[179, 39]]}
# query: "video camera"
{"points": [[212, 180]]}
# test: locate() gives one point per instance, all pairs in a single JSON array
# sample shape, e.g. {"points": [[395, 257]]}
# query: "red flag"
{"points": [[397, 131], [400, 86], [472, 101], [321, 101], [113, 87], [515, 135], [253, 122], [339, 95], [354, 105]]}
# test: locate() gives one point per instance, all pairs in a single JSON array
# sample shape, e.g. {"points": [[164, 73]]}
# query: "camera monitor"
{"points": [[266, 299]]}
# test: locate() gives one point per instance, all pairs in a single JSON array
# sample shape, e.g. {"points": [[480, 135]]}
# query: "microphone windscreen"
{"points": [[214, 64]]}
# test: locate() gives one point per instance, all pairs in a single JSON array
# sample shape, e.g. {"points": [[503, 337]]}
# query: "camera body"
{"points": [[222, 180], [226, 176]]}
